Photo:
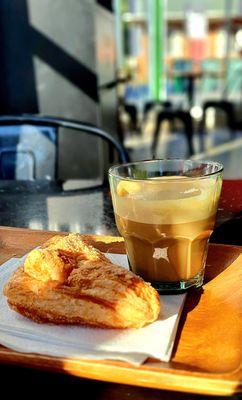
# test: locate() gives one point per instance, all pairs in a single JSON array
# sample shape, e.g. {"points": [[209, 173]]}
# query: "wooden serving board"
{"points": [[207, 353]]}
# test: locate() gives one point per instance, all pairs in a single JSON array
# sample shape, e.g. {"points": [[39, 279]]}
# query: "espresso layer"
{"points": [[166, 252]]}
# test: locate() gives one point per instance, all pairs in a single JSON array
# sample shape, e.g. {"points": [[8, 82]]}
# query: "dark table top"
{"points": [[45, 206]]}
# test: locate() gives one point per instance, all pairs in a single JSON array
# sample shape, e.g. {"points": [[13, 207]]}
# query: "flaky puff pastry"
{"points": [[67, 281]]}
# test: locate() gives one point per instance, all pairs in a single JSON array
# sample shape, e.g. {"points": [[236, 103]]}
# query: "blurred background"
{"points": [[162, 77], [184, 63]]}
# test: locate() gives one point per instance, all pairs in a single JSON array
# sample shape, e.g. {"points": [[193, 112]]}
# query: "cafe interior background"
{"points": [[163, 78]]}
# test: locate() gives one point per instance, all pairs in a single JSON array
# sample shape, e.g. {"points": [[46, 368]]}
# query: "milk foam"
{"points": [[163, 201]]}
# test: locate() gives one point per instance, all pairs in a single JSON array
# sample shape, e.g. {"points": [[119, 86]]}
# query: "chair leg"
{"points": [[202, 132], [202, 123], [120, 130], [156, 137], [188, 125], [189, 134]]}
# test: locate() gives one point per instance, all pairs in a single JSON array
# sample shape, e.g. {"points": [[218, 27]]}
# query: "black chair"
{"points": [[164, 110], [39, 158], [173, 115], [133, 125], [224, 105]]}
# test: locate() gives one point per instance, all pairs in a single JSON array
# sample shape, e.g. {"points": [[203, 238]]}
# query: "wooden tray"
{"points": [[207, 353]]}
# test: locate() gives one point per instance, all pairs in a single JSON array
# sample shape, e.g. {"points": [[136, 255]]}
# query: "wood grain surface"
{"points": [[207, 353]]}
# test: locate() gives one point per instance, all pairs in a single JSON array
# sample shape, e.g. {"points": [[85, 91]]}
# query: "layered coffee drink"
{"points": [[166, 223]]}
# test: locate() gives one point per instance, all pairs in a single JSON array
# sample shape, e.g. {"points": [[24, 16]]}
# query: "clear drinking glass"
{"points": [[165, 210]]}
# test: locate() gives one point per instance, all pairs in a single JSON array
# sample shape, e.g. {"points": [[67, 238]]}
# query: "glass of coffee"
{"points": [[165, 210]]}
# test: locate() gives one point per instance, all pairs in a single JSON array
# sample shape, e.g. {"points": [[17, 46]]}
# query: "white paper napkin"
{"points": [[131, 345]]}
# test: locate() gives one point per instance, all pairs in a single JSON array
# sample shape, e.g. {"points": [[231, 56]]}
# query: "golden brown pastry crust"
{"points": [[76, 244], [67, 281]]}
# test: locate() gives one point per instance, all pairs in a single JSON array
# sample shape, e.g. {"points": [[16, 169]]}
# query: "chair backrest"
{"points": [[29, 145]]}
